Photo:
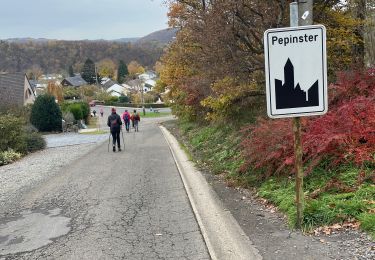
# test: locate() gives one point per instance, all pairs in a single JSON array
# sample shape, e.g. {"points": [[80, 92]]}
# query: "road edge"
{"points": [[224, 237]]}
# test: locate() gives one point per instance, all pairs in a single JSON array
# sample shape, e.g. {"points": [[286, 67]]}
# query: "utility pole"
{"points": [[301, 13], [96, 76]]}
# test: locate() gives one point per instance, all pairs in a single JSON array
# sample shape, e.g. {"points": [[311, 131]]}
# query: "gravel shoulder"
{"points": [[268, 230], [19, 177]]}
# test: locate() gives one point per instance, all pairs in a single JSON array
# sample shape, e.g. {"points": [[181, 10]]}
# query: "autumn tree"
{"points": [[122, 72], [217, 60], [55, 89], [135, 68], [34, 72], [107, 68]]}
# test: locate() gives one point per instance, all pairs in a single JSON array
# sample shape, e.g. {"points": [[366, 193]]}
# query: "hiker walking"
{"points": [[126, 118], [114, 122], [135, 119]]}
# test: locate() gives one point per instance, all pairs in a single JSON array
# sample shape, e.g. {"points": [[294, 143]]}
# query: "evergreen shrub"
{"points": [[124, 99], [12, 133], [46, 114], [35, 142]]}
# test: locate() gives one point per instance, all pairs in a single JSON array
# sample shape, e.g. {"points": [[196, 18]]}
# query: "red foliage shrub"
{"points": [[268, 145], [345, 134], [351, 84]]}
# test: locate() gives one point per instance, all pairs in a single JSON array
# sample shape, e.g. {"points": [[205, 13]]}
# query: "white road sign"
{"points": [[296, 71]]}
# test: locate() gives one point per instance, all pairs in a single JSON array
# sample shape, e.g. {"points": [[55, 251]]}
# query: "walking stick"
{"points": [[109, 140], [123, 140]]}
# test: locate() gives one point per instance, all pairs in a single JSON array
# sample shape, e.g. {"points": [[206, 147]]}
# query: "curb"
{"points": [[223, 236]]}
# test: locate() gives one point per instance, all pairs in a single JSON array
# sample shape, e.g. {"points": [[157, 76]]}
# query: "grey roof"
{"points": [[109, 84], [75, 81], [12, 87], [134, 83]]}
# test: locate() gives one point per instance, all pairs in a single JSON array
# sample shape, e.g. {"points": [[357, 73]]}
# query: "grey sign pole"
{"points": [[305, 12], [301, 13]]}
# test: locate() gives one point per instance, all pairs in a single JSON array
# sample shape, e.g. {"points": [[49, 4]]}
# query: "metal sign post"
{"points": [[298, 165], [296, 78]]}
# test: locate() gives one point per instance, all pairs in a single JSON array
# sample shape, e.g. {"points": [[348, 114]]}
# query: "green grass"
{"points": [[218, 148], [154, 115], [98, 132]]}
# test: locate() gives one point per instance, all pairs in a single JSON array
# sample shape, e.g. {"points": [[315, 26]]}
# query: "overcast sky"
{"points": [[81, 19]]}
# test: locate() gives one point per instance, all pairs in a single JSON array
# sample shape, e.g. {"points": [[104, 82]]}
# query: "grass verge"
{"points": [[331, 196], [98, 132], [154, 115]]}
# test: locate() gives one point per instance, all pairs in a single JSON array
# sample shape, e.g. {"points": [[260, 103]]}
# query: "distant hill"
{"points": [[28, 39], [20, 54], [162, 37], [124, 40]]}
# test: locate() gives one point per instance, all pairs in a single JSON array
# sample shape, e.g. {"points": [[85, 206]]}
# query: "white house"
{"points": [[117, 90], [149, 85], [147, 75]]}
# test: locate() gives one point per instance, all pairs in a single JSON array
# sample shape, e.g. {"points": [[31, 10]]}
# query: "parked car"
{"points": [[92, 103]]}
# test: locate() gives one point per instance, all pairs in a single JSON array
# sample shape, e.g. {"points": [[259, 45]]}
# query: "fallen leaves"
{"points": [[328, 230]]}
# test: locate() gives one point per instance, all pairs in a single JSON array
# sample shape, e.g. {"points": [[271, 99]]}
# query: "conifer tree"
{"points": [[88, 72], [71, 71], [122, 72]]}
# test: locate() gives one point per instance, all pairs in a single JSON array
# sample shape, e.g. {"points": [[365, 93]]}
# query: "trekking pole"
{"points": [[109, 140], [123, 140]]}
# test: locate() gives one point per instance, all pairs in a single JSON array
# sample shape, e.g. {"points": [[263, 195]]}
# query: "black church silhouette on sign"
{"points": [[290, 96]]}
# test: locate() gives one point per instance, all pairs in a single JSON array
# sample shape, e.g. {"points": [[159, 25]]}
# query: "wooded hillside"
{"points": [[56, 56]]}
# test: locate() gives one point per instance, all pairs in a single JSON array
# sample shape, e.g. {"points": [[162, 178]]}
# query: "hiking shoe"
{"points": [[114, 149]]}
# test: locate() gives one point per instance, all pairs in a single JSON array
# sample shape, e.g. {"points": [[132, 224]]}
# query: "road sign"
{"points": [[296, 71]]}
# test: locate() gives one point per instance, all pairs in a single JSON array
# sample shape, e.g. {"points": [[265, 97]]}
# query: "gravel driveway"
{"points": [[58, 140]]}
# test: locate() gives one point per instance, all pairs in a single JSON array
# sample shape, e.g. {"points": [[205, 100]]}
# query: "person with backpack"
{"points": [[135, 119], [114, 122], [126, 118]]}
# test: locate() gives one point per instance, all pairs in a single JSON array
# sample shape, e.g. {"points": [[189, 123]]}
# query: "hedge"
{"points": [[148, 105]]}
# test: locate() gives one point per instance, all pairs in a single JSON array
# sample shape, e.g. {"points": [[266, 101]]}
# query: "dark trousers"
{"points": [[127, 125], [116, 136]]}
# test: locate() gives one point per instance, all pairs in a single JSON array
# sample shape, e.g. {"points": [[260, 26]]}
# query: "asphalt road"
{"points": [[105, 205]]}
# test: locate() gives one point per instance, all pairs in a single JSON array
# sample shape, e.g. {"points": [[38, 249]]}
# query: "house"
{"points": [[117, 90], [147, 75], [75, 81], [51, 77], [15, 90], [106, 84], [149, 85]]}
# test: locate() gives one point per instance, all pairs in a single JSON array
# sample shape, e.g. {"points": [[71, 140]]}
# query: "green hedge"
{"points": [[76, 110], [80, 109], [137, 105]]}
